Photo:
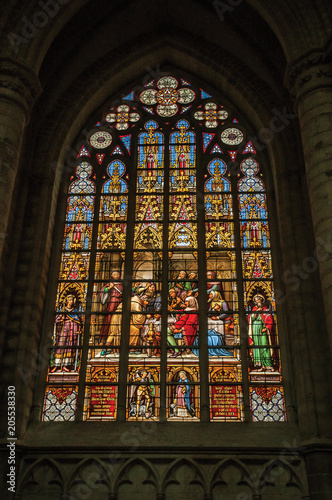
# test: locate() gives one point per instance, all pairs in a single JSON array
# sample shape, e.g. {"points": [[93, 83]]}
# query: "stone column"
{"points": [[19, 88], [310, 81]]}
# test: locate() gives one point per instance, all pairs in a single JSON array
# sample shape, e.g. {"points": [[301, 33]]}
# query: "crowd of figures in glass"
{"points": [[166, 264]]}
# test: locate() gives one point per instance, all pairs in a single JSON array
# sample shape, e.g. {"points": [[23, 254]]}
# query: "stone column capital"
{"points": [[19, 84], [311, 72]]}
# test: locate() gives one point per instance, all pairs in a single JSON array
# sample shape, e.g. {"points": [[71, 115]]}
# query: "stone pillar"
{"points": [[319, 471], [19, 88], [310, 81]]}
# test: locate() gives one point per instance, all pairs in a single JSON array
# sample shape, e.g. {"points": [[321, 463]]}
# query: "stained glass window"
{"points": [[165, 305]]}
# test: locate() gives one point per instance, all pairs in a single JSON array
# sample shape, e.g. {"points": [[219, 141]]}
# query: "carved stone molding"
{"points": [[311, 72], [139, 476], [19, 84]]}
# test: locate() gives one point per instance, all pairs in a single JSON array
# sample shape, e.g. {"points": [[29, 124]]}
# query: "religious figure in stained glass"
{"points": [[187, 323], [138, 318], [111, 294], [219, 317], [182, 405], [182, 285], [261, 336], [151, 335], [142, 392], [68, 331]]}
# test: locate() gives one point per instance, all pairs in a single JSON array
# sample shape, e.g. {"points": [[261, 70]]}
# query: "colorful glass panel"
{"points": [[122, 116], [226, 393], [205, 95], [183, 399], [100, 140], [117, 151], [267, 404], [166, 96], [143, 399], [60, 404], [216, 149], [168, 286], [100, 157], [126, 140], [232, 136], [211, 114], [249, 148], [83, 152], [207, 138], [129, 97]]}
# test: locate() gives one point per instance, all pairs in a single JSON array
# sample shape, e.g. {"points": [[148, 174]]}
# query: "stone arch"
{"points": [[52, 147], [299, 24], [42, 478], [170, 50], [279, 481], [185, 479], [136, 475], [91, 479], [59, 134], [231, 479], [301, 32]]}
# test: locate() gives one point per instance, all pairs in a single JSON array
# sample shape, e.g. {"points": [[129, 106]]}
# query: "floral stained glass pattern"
{"points": [[211, 114], [122, 116], [167, 96]]}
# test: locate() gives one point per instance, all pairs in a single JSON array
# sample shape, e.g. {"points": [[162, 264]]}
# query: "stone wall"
{"points": [[271, 63]]}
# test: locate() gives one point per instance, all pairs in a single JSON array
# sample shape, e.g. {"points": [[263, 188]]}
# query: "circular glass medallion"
{"points": [[199, 115], [167, 81], [165, 111], [122, 126], [148, 97], [186, 95], [210, 105], [110, 117], [211, 124], [222, 114], [134, 117], [123, 108], [232, 136], [100, 140]]}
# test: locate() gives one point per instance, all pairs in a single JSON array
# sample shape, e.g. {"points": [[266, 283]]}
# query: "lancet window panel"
{"points": [[166, 275]]}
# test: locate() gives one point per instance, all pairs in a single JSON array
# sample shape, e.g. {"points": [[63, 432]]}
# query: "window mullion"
{"points": [[202, 296], [127, 291], [164, 289]]}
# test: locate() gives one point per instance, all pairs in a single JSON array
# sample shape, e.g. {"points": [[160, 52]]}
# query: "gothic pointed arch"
{"points": [[279, 477], [42, 477], [139, 474], [231, 478], [166, 250], [90, 476], [185, 476]]}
